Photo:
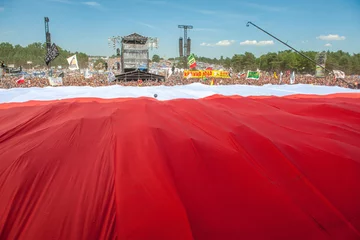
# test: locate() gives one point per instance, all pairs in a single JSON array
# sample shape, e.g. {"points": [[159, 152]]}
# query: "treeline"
{"points": [[287, 60], [280, 61], [35, 52]]}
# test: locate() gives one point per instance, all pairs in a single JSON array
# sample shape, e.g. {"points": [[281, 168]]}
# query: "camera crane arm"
{"points": [[303, 55]]}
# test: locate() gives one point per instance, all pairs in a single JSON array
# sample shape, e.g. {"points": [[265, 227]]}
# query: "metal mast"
{"points": [[185, 50], [47, 34]]}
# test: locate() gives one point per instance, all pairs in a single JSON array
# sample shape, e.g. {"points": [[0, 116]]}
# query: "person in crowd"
{"points": [[77, 79]]}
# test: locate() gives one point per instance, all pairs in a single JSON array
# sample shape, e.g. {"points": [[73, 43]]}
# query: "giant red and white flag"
{"points": [[196, 162]]}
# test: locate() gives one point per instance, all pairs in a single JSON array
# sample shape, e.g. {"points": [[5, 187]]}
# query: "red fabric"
{"points": [[193, 65], [20, 81], [216, 168]]}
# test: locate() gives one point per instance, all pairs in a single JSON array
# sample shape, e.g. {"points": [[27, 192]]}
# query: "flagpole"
{"points": [[49, 68], [49, 64]]}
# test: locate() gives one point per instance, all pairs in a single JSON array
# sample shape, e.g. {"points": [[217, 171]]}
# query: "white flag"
{"points": [[111, 77], [292, 78], [73, 63], [339, 74], [281, 74], [87, 74]]}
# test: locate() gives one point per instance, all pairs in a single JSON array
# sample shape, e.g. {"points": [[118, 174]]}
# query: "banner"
{"points": [[206, 73], [55, 81], [253, 75], [339, 74], [73, 63]]}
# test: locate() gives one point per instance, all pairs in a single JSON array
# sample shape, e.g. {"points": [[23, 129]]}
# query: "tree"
{"points": [[249, 61], [355, 64], [227, 62], [156, 58], [287, 60], [221, 61], [83, 59], [36, 52], [272, 61], [236, 63], [99, 64]]}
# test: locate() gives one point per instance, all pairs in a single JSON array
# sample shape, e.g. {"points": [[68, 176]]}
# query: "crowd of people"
{"points": [[97, 80]]}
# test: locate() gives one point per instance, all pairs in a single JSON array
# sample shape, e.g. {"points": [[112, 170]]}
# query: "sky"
{"points": [[219, 27]]}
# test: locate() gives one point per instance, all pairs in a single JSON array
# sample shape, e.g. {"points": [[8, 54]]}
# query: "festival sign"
{"points": [[220, 74], [206, 73], [193, 74], [55, 81], [253, 75]]}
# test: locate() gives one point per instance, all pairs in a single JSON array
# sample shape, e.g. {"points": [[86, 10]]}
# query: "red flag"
{"points": [[20, 80]]}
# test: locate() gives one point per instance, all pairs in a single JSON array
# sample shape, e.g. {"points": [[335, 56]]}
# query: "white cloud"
{"points": [[304, 41], [331, 37], [204, 44], [249, 42], [263, 43], [256, 43], [220, 43], [92, 4], [328, 45], [225, 42]]}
